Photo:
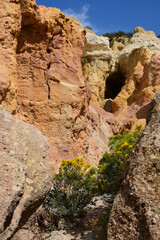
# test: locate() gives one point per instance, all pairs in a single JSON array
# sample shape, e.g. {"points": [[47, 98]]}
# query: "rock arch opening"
{"points": [[114, 83]]}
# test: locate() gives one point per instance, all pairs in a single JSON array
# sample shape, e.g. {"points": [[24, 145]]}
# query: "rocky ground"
{"points": [[90, 226]]}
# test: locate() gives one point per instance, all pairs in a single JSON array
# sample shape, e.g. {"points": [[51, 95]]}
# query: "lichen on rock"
{"points": [[135, 212], [25, 175]]}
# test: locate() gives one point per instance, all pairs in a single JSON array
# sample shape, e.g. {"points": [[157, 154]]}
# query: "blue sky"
{"points": [[111, 15]]}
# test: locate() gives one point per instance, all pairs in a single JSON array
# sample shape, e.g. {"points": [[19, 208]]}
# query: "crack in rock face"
{"points": [[42, 51]]}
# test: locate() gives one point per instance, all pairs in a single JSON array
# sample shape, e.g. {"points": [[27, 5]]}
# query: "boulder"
{"points": [[136, 208], [25, 175], [57, 235], [96, 210], [108, 105]]}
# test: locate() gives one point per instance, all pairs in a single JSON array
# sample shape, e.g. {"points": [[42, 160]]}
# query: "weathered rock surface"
{"points": [[9, 27], [142, 83], [78, 23], [98, 61], [96, 46], [42, 81], [136, 209], [118, 43], [25, 176], [131, 79], [96, 210], [57, 235], [141, 38]]}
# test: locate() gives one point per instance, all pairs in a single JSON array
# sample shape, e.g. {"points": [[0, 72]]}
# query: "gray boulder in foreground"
{"points": [[24, 172]]}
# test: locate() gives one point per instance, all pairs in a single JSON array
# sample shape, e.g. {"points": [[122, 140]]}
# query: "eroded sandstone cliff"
{"points": [[98, 62], [139, 62], [42, 81], [123, 82]]}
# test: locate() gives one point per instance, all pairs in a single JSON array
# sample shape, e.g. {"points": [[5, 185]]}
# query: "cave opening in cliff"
{"points": [[114, 83]]}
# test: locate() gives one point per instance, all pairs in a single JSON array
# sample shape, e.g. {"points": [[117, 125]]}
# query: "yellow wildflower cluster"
{"points": [[124, 144], [87, 166], [100, 180], [119, 152], [78, 162], [126, 131]]}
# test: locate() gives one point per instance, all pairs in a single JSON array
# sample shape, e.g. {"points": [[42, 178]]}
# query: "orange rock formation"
{"points": [[131, 105], [42, 81], [126, 82]]}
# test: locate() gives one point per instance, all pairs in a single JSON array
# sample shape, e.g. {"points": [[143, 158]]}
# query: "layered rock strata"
{"points": [[136, 208], [42, 80], [25, 176]]}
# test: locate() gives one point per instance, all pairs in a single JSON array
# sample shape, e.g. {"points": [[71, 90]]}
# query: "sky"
{"points": [[111, 15]]}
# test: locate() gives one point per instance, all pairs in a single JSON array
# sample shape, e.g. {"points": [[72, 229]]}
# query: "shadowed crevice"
{"points": [[114, 83]]}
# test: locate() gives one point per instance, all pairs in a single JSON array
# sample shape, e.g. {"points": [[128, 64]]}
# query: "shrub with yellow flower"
{"points": [[77, 182], [112, 164], [73, 188]]}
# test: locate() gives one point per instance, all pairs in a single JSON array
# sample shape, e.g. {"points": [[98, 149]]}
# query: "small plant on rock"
{"points": [[88, 27], [112, 164]]}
